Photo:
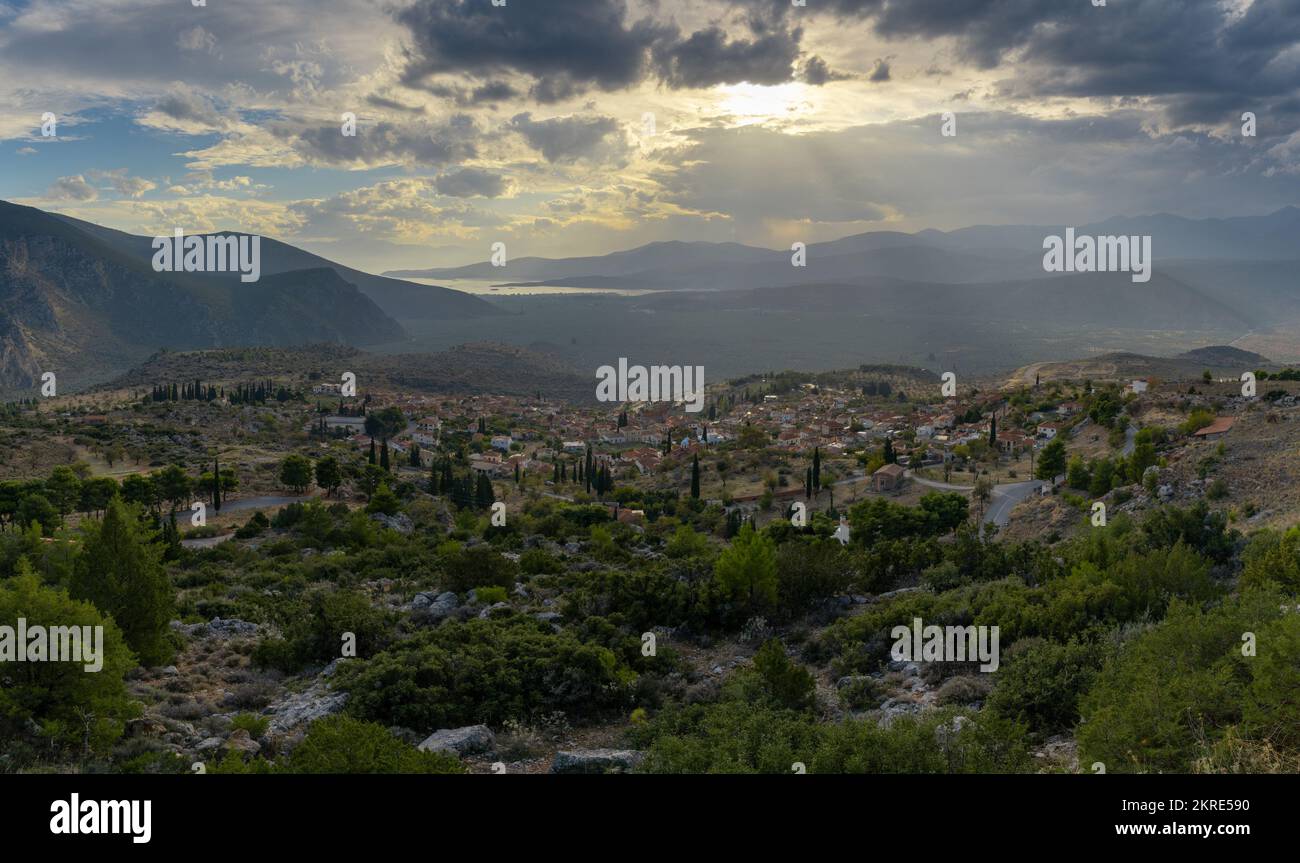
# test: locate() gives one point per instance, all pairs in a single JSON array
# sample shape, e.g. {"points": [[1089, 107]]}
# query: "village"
{"points": [[865, 439]]}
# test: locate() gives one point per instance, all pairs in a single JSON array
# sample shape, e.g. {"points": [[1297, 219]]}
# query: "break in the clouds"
{"points": [[581, 126]]}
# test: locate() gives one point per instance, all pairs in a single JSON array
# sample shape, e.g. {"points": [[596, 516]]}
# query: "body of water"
{"points": [[492, 288]]}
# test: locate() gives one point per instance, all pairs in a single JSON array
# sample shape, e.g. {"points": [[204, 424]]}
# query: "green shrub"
{"points": [[341, 744], [790, 685], [1178, 687], [255, 725], [1041, 682], [485, 671], [481, 566], [490, 595], [314, 634]]}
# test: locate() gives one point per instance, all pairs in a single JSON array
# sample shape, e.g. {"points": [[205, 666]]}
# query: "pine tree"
{"points": [[120, 571]]}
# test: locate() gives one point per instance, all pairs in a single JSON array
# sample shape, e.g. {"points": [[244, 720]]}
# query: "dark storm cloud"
{"points": [[388, 143], [568, 47], [574, 43], [568, 139], [708, 57], [1201, 60]]}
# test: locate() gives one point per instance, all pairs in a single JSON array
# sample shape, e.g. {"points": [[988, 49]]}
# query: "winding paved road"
{"points": [[1005, 496]]}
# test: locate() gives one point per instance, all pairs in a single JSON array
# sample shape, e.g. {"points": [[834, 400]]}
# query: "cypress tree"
{"points": [[484, 495], [383, 456]]}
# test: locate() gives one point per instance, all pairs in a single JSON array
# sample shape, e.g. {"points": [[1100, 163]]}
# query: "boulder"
{"points": [[240, 741], [470, 740], [596, 761], [216, 628], [401, 522], [439, 607], [301, 708], [145, 726]]}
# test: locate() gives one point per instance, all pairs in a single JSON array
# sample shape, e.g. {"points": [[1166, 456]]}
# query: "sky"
{"points": [[578, 127]]}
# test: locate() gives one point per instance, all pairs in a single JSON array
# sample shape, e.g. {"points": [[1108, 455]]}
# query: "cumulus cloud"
{"points": [[816, 72], [73, 188], [124, 184], [188, 111]]}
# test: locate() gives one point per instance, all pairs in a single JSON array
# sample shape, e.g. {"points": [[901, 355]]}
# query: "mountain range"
{"points": [[84, 301], [1235, 272]]}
